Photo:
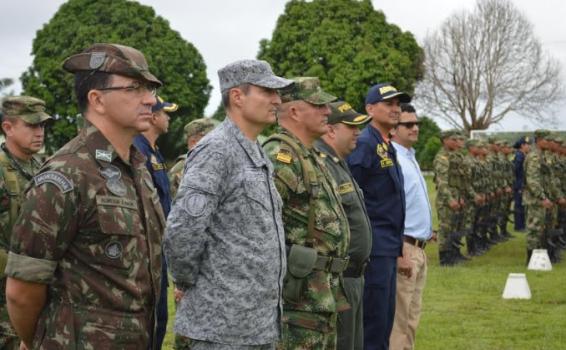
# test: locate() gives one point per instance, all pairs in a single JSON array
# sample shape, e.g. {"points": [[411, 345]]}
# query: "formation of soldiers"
{"points": [[475, 180]]}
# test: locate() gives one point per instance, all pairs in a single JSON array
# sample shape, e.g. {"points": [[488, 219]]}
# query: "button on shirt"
{"points": [[418, 217]]}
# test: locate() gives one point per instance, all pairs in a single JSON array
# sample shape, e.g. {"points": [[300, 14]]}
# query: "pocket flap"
{"points": [[301, 260]]}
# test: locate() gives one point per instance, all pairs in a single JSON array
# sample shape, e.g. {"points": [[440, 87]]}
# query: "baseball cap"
{"points": [[112, 58], [255, 72], [342, 112], [307, 89], [385, 91], [162, 105], [30, 109], [197, 126]]}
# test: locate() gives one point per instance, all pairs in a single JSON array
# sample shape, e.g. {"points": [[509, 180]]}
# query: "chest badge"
{"points": [[114, 250], [381, 151], [114, 182]]}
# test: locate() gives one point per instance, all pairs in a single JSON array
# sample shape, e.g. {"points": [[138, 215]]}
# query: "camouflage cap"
{"points": [[473, 143], [307, 89], [197, 126], [452, 133], [29, 109], [112, 58], [542, 133], [255, 72], [342, 112]]}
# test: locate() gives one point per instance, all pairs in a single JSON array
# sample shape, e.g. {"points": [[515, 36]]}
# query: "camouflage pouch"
{"points": [[300, 263]]}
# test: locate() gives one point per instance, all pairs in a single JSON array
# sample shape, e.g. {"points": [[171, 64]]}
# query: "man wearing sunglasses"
{"points": [[23, 126], [84, 266], [412, 265]]}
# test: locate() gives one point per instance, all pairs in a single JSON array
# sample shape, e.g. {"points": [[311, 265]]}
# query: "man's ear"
{"points": [[7, 127], [236, 96], [96, 101]]}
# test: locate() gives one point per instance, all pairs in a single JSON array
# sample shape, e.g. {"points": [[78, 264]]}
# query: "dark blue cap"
{"points": [[385, 91], [162, 105], [521, 141]]}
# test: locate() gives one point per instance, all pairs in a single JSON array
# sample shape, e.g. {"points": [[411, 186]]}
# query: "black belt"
{"points": [[414, 241], [355, 270]]}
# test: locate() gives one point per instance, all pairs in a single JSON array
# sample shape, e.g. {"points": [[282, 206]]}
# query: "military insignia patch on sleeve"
{"points": [[55, 178]]}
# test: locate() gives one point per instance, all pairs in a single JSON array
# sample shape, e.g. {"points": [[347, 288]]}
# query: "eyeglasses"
{"points": [[137, 88], [409, 125]]}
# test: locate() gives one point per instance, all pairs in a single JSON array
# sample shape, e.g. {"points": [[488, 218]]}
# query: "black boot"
{"points": [[529, 253], [446, 258]]}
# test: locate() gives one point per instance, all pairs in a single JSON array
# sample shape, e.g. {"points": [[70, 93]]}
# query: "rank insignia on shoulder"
{"points": [[56, 178], [102, 154], [346, 188], [284, 157]]}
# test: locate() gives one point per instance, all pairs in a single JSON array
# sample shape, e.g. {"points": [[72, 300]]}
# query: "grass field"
{"points": [[463, 308]]}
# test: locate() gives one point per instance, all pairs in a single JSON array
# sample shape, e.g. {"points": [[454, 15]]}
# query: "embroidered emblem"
{"points": [[102, 154], [284, 157], [114, 250], [346, 187], [53, 177]]}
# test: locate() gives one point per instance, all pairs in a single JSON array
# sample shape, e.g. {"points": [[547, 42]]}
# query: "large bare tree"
{"points": [[481, 65]]}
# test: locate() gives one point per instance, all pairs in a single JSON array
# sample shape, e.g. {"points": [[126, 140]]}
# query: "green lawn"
{"points": [[463, 307]]}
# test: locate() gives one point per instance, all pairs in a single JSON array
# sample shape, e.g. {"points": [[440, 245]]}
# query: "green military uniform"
{"points": [[537, 174], [474, 240], [350, 322], [448, 177], [198, 126], [15, 175], [316, 232], [90, 230]]}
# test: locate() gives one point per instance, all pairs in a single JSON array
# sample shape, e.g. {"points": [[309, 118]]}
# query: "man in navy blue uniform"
{"points": [[522, 147], [374, 166], [155, 163]]}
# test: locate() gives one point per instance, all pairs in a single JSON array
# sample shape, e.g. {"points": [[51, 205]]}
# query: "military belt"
{"points": [[331, 264], [355, 270]]}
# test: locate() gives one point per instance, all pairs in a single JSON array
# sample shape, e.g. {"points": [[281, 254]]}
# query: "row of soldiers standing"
{"points": [[475, 180]]}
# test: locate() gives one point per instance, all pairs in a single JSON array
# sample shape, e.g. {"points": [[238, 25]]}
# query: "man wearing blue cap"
{"points": [[374, 166], [522, 147], [146, 143]]}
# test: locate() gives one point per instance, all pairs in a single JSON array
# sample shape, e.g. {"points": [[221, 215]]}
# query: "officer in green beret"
{"points": [[23, 126]]}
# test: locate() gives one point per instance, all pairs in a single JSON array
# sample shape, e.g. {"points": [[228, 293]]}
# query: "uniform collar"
{"points": [[251, 148], [102, 150]]}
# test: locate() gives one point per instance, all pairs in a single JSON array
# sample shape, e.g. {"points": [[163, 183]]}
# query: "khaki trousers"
{"points": [[409, 301]]}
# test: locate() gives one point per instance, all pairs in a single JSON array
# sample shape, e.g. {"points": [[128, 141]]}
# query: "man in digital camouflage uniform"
{"points": [[194, 132], [316, 227], [224, 242], [343, 130], [23, 125], [85, 259]]}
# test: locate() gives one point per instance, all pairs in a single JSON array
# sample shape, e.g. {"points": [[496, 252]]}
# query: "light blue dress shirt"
{"points": [[418, 216]]}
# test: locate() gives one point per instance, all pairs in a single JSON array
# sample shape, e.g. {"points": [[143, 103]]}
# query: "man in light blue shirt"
{"points": [[412, 265]]}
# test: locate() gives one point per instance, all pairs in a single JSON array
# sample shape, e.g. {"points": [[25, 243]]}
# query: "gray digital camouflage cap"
{"points": [[307, 89], [255, 72], [112, 58], [29, 109]]}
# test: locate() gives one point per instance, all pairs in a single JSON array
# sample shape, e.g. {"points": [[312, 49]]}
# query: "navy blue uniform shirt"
{"points": [[519, 171], [155, 163], [374, 166]]}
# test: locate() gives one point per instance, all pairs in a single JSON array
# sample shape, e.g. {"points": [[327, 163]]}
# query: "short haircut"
{"points": [[7, 118], [86, 81], [226, 93], [407, 108]]}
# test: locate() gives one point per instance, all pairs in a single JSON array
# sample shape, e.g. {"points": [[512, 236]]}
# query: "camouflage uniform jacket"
{"points": [[90, 228], [224, 242], [445, 190], [536, 173], [323, 293], [176, 174]]}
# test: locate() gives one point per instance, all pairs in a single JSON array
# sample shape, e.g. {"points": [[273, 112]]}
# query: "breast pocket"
{"points": [[257, 191]]}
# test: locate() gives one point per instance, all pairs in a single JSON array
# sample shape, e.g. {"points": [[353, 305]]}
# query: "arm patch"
{"points": [[56, 178]]}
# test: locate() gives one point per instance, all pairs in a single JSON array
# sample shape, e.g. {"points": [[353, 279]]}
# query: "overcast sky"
{"points": [[224, 31]]}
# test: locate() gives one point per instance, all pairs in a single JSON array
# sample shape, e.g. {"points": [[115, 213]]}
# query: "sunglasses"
{"points": [[409, 125]]}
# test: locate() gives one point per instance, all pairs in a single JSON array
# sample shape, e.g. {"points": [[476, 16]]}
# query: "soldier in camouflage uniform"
{"points": [[85, 259], [479, 176], [316, 227], [224, 242], [343, 130], [553, 163], [507, 176], [449, 204], [194, 131], [23, 125], [537, 195]]}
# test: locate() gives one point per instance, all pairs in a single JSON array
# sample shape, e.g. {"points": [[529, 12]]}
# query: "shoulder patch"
{"points": [[284, 156], [346, 187], [56, 178]]}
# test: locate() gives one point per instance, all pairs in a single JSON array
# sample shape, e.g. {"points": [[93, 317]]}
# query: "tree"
{"points": [[80, 23], [484, 64], [4, 84], [346, 43], [426, 157], [427, 130]]}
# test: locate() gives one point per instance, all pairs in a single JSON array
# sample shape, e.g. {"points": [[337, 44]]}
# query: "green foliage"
{"points": [[80, 23], [347, 44], [427, 131]]}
